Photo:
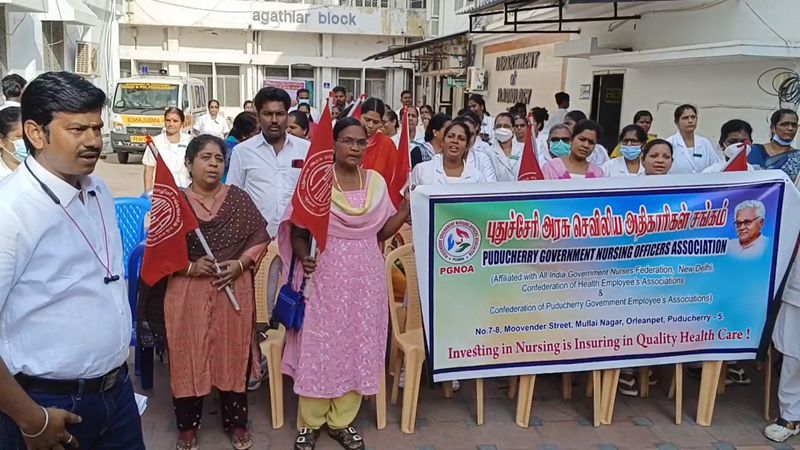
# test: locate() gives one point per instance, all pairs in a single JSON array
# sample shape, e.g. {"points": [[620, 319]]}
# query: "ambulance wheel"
{"points": [[122, 157]]}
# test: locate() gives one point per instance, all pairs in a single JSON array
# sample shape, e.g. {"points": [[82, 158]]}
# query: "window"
{"points": [[203, 73], [228, 86], [365, 3], [459, 5], [124, 68], [417, 4], [276, 72], [351, 80], [375, 83], [152, 67], [53, 45], [185, 97]]}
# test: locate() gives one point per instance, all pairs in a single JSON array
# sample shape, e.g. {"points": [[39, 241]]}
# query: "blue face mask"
{"points": [[780, 141], [559, 149], [20, 150], [630, 152]]}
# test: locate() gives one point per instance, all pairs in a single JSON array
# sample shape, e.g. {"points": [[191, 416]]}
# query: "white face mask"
{"points": [[733, 149], [503, 134]]}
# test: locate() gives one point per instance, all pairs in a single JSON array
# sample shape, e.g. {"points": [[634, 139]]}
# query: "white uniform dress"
{"points": [[174, 156], [692, 159], [617, 167], [432, 172], [216, 127], [506, 168]]}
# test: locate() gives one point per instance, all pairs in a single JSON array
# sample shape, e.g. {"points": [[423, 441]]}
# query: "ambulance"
{"points": [[138, 109]]}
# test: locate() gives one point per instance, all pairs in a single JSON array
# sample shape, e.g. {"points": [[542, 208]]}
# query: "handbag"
{"points": [[291, 304]]}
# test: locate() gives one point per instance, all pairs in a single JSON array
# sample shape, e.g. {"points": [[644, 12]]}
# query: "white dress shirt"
{"points": [[58, 318], [4, 169], [174, 156], [9, 104], [480, 160], [432, 172], [557, 117], [506, 168], [487, 126], [692, 160], [267, 176], [216, 127], [617, 168]]}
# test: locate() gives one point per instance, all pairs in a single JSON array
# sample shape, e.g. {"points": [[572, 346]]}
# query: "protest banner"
{"points": [[555, 276]]}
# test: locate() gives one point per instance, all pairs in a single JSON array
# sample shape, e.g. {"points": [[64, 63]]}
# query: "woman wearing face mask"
{"points": [[657, 157], [631, 140], [381, 152], [692, 152], [557, 144], [14, 150], [434, 140], [576, 164], [171, 144], [735, 135], [505, 153], [450, 166], [599, 155], [779, 153]]}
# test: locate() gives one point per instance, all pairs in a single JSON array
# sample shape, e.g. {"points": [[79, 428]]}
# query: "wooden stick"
{"points": [[596, 397], [768, 383], [678, 383], [608, 395], [525, 399]]}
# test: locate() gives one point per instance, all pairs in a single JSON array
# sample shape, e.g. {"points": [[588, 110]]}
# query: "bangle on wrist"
{"points": [[241, 266], [44, 427], [189, 270]]}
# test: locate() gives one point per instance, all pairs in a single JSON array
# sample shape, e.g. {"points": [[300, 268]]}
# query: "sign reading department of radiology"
{"points": [[275, 16], [554, 276]]}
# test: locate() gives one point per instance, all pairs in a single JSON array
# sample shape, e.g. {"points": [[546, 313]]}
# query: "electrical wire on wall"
{"points": [[782, 83]]}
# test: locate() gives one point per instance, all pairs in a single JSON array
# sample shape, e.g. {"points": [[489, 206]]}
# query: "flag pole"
{"points": [[203, 242], [312, 253], [207, 249]]}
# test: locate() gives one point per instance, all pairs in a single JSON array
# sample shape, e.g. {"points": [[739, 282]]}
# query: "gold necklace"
{"points": [[339, 187]]}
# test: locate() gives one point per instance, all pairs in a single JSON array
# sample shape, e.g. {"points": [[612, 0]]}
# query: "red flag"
{"points": [[171, 219], [355, 111], [402, 165], [311, 202], [529, 169], [738, 163]]}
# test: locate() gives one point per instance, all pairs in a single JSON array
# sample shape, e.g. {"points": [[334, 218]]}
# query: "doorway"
{"points": [[607, 106]]}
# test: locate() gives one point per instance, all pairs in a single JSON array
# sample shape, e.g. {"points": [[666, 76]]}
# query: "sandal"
{"points": [[737, 375], [781, 430], [628, 384], [348, 438], [306, 440], [241, 439]]}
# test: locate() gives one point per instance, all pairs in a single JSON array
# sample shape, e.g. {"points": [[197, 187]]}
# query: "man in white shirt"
{"points": [[406, 99], [304, 96], [562, 101], [12, 85], [65, 323], [268, 165]]}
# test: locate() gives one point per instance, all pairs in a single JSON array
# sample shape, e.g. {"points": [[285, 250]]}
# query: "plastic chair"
{"points": [[131, 215], [272, 346], [143, 358]]}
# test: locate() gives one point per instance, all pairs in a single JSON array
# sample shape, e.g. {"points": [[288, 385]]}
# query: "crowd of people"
{"points": [[239, 181]]}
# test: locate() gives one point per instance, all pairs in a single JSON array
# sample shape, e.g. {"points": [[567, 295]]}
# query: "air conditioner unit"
{"points": [[477, 79], [86, 59]]}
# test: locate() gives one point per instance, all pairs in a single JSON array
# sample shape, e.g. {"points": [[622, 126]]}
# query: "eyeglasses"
{"points": [[745, 223], [349, 143], [564, 139]]}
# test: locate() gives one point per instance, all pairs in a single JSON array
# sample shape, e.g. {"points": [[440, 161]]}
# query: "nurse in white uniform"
{"points": [[451, 166], [631, 139], [171, 144], [212, 122], [692, 152], [505, 151], [600, 154], [477, 104]]}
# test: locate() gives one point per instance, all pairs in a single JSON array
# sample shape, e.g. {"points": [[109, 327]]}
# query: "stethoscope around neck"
{"points": [[107, 266]]}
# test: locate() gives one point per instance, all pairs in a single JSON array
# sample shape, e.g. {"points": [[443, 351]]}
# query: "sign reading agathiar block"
{"points": [[565, 276]]}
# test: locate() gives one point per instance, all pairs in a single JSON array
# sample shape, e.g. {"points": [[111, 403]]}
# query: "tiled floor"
{"points": [[639, 423]]}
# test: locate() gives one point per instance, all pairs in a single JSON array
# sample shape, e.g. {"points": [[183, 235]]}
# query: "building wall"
{"points": [[544, 80], [721, 89]]}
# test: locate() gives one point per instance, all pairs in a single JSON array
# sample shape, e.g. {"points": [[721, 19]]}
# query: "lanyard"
{"points": [[107, 265]]}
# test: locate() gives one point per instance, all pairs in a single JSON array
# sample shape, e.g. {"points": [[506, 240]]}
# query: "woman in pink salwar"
{"points": [[576, 165], [339, 354]]}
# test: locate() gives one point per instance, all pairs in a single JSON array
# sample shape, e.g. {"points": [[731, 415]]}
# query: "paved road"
{"points": [[125, 180]]}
